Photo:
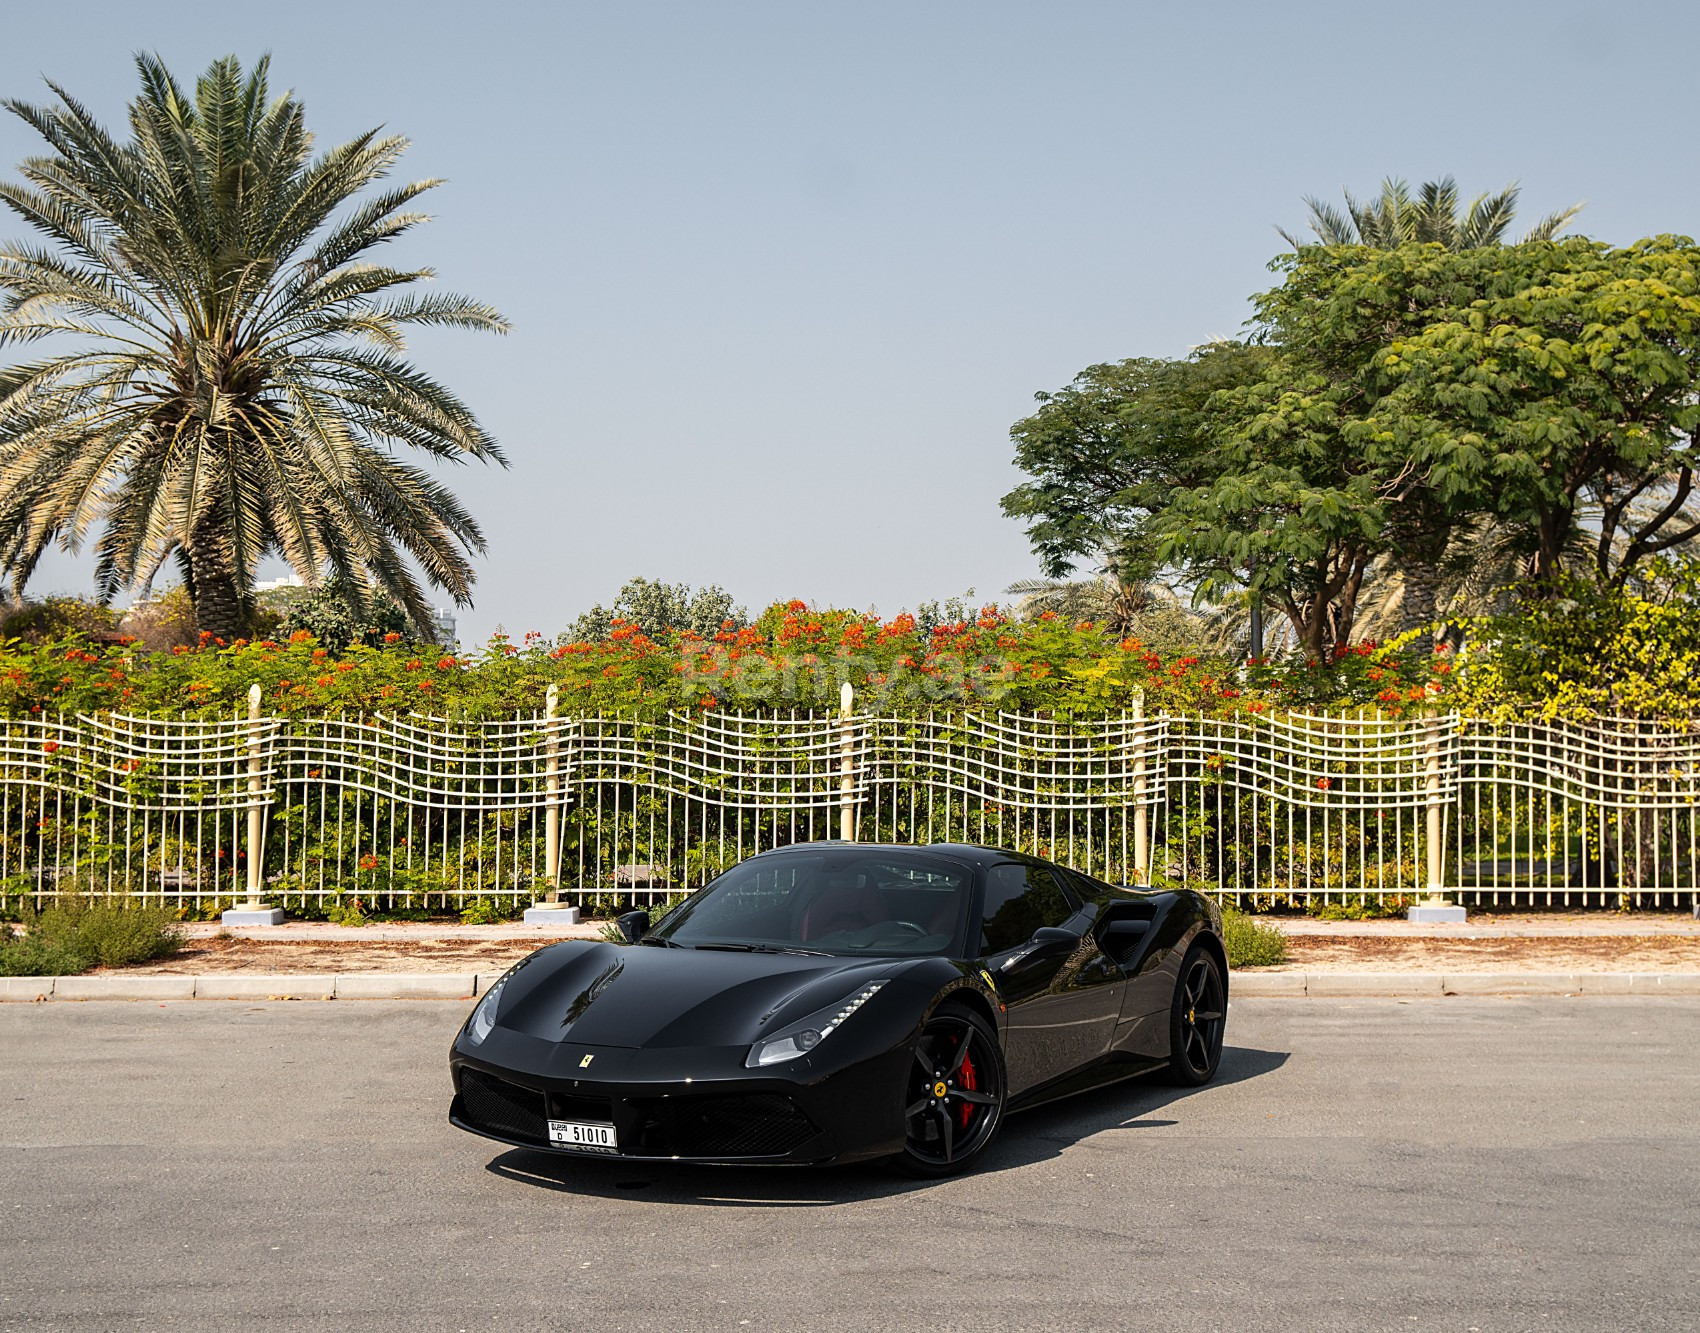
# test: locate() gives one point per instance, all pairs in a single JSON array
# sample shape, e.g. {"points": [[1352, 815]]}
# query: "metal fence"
{"points": [[424, 812]]}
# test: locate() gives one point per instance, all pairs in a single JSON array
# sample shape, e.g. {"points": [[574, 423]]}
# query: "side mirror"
{"points": [[633, 925], [1049, 943]]}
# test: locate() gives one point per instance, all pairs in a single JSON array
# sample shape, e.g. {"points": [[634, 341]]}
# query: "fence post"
{"points": [[254, 912], [846, 764], [552, 783], [1436, 870], [1141, 811]]}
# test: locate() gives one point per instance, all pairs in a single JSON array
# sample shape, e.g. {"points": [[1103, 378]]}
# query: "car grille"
{"points": [[761, 1125], [597, 1110], [503, 1108]]}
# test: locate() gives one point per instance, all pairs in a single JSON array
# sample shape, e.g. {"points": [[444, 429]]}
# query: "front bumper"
{"points": [[691, 1105]]}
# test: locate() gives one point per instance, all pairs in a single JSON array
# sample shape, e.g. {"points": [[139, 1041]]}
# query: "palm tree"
{"points": [[1394, 218], [239, 383]]}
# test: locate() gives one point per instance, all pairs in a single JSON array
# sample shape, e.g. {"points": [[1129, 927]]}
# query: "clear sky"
{"points": [[782, 274]]}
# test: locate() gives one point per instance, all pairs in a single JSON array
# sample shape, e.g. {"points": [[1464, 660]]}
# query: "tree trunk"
{"points": [[1419, 533], [220, 609]]}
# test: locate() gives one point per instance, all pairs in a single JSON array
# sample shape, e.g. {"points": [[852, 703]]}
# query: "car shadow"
{"points": [[1029, 1137]]}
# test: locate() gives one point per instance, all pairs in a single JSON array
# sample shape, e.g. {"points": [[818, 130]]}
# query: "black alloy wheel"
{"points": [[954, 1095], [1197, 1020]]}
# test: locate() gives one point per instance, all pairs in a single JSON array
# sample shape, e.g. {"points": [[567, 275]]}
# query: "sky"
{"points": [[782, 275]]}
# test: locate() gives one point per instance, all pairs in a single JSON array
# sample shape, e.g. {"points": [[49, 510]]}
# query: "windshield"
{"points": [[836, 901]]}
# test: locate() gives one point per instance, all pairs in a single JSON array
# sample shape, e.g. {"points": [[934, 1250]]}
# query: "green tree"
{"points": [[1565, 400], [1418, 532], [660, 610], [332, 616], [1539, 397], [240, 386], [1107, 453]]}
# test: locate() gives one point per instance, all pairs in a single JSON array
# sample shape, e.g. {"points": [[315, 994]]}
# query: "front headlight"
{"points": [[483, 1020], [803, 1036]]}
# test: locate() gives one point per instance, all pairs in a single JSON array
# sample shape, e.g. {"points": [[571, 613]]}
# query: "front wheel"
{"points": [[954, 1094], [1197, 1020]]}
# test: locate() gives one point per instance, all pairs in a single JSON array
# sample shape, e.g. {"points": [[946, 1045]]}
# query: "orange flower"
{"points": [[52, 747], [392, 637], [1325, 783]]}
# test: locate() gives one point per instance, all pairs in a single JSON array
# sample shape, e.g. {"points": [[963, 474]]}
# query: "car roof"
{"points": [[974, 853]]}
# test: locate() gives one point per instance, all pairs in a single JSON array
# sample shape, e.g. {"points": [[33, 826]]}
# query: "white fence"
{"points": [[425, 812]]}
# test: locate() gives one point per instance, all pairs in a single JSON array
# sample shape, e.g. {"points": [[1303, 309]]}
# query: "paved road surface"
{"points": [[1438, 1164]]}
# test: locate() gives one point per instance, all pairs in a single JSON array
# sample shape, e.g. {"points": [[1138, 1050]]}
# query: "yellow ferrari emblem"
{"points": [[585, 1063], [939, 1090], [988, 976]]}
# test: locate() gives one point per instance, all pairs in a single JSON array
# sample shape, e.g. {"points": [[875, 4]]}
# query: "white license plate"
{"points": [[579, 1134]]}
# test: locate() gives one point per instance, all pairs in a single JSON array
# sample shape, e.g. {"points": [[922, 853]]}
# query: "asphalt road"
{"points": [[1362, 1164]]}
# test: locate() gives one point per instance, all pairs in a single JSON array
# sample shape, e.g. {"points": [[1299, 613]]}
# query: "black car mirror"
{"points": [[633, 925], [1049, 943]]}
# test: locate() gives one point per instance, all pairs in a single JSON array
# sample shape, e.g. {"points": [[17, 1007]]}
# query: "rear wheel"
{"points": [[1197, 1020], [953, 1097]]}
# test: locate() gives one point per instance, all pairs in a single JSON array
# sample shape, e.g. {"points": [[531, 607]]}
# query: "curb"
{"points": [[249, 986], [465, 985], [1260, 985]]}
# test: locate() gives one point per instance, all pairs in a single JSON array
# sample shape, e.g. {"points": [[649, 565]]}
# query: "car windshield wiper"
{"points": [[740, 946], [661, 942]]}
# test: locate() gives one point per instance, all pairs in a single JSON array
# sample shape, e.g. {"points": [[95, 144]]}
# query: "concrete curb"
{"points": [[464, 985], [1402, 985], [246, 986]]}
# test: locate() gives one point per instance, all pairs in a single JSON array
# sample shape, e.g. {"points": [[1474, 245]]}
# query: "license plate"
{"points": [[589, 1137]]}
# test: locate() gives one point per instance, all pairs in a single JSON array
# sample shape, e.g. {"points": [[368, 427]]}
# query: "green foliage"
{"points": [[1359, 907], [487, 912], [55, 617], [1632, 649], [74, 934], [661, 610], [1550, 390], [1434, 214], [1250, 942], [333, 616], [237, 387]]}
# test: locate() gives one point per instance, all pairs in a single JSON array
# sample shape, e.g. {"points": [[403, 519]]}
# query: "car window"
{"points": [[849, 900], [1020, 899]]}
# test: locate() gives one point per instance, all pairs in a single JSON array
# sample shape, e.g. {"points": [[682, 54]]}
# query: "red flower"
{"points": [[1325, 783], [392, 637], [52, 747]]}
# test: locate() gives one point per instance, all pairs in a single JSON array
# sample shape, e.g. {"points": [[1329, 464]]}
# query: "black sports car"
{"points": [[834, 1002]]}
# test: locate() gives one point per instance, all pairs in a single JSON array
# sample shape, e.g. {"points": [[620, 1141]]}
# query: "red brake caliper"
{"points": [[964, 1111]]}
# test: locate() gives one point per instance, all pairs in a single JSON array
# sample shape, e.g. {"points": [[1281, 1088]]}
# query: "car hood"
{"points": [[602, 994]]}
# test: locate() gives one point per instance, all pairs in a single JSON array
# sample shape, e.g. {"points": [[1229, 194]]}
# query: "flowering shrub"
{"points": [[1635, 654]]}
